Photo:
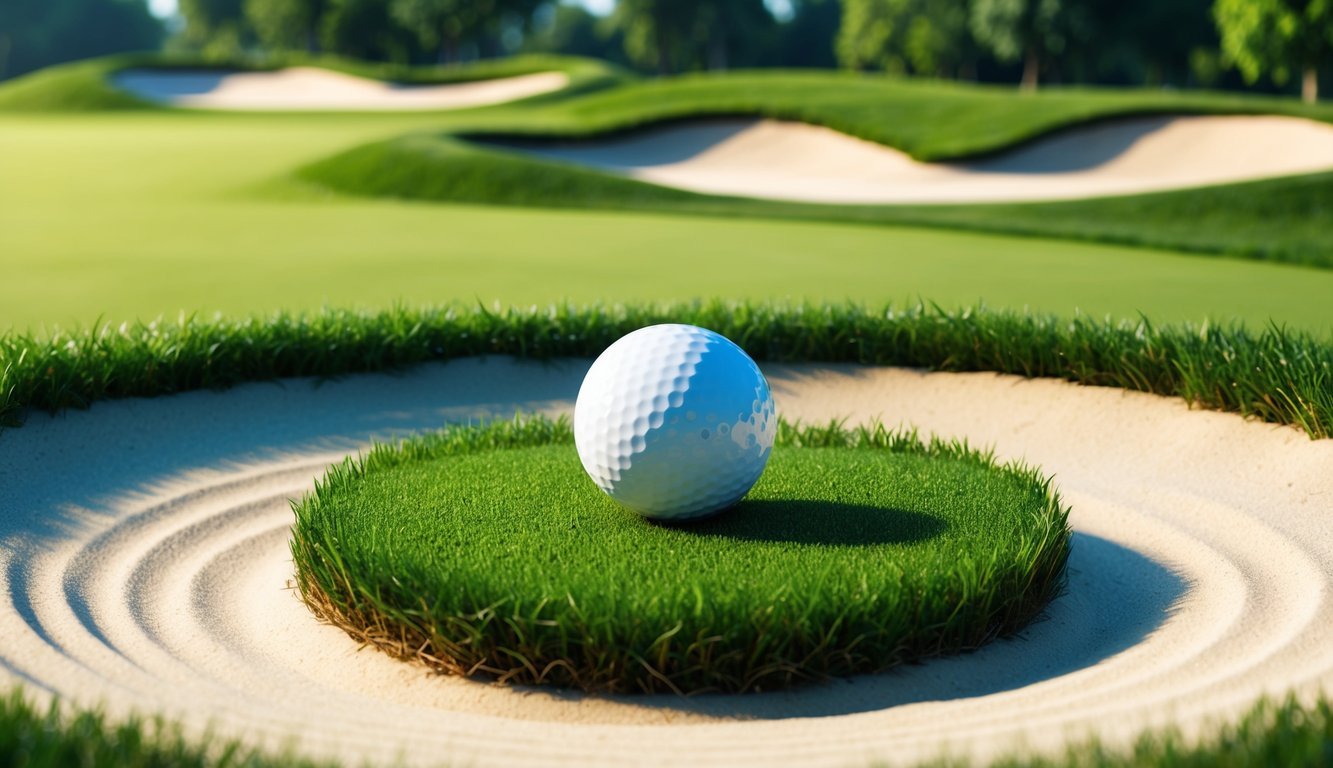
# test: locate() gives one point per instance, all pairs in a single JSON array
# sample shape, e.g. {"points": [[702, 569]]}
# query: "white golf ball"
{"points": [[674, 422]]}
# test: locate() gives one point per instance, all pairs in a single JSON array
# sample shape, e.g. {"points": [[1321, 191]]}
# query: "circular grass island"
{"points": [[486, 551]]}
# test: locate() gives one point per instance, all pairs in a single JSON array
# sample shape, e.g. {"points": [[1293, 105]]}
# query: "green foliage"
{"points": [[58, 737], [286, 25], [214, 27], [38, 33], [364, 29], [934, 548], [807, 38], [1275, 37], [1031, 30], [442, 24], [920, 36], [675, 35], [1276, 375]]}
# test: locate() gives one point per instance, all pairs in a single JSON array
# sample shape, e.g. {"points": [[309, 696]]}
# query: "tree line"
{"points": [[1182, 43]]}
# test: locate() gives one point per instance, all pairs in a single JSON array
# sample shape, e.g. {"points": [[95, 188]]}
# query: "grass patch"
{"points": [[928, 119], [486, 550], [1272, 733], [1275, 375], [1281, 220], [58, 737], [86, 86]]}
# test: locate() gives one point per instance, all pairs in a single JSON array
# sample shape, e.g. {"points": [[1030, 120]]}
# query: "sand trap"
{"points": [[143, 562], [796, 161], [309, 88]]}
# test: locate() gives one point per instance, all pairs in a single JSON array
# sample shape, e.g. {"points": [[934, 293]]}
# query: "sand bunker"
{"points": [[143, 562], [309, 88], [796, 161]]}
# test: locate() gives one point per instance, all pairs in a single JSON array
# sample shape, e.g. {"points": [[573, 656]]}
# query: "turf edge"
{"points": [[1275, 375]]}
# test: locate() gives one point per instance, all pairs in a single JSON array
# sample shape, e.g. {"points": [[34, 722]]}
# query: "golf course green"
{"points": [[141, 213], [152, 250]]}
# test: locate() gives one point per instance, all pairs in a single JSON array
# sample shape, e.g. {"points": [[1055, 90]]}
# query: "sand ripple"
{"points": [[145, 565]]}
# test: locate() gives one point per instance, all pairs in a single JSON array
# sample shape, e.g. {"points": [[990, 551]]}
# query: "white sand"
{"points": [[144, 563], [310, 88], [795, 161]]}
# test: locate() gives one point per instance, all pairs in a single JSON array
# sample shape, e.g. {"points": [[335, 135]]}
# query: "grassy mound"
{"points": [[487, 550], [85, 86], [1279, 220], [928, 119]]}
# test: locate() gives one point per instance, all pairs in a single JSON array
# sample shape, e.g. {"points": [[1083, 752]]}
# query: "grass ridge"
{"points": [[1277, 219], [1275, 374], [982, 595]]}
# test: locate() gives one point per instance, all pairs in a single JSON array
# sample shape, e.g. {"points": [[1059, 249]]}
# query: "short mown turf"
{"points": [[487, 550], [1284, 219], [86, 86]]}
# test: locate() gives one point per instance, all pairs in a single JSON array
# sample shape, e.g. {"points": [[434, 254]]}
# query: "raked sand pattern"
{"points": [[795, 161], [312, 88], [143, 564]]}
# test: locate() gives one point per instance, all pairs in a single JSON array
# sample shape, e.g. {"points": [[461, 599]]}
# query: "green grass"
{"points": [[928, 119], [1283, 220], [1273, 374], [144, 214], [57, 737], [85, 86], [487, 550], [1284, 733]]}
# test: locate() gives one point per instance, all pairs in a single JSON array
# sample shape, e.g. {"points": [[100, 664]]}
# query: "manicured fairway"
{"points": [[122, 216]]}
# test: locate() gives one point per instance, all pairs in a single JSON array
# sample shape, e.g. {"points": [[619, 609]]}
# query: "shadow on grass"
{"points": [[1116, 599], [800, 521]]}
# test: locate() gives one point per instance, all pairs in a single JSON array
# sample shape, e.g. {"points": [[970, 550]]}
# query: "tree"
{"points": [[1277, 36], [807, 38], [671, 35], [39, 33], [1030, 30], [286, 25], [922, 36], [364, 29], [214, 26], [572, 29], [443, 25]]}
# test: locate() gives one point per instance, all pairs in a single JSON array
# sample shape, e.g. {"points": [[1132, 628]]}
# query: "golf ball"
{"points": [[675, 422]]}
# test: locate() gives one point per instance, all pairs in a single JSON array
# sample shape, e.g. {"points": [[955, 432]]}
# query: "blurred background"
{"points": [[1267, 45]]}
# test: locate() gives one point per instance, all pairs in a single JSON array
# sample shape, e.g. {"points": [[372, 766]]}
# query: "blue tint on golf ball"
{"points": [[674, 422]]}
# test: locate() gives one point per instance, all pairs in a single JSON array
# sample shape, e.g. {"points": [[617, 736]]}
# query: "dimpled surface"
{"points": [[675, 422]]}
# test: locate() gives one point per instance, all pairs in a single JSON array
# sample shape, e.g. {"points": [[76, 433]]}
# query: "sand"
{"points": [[310, 88], [795, 161], [143, 564]]}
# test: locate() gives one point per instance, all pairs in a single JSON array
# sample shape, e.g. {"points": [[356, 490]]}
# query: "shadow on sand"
{"points": [[1116, 598]]}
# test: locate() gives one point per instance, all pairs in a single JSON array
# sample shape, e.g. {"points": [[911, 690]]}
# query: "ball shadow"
{"points": [[805, 521]]}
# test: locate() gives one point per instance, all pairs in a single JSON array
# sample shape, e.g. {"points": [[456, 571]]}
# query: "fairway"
{"points": [[120, 216]]}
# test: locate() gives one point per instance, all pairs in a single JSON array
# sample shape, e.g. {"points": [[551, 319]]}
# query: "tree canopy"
{"points": [[39, 33], [919, 36], [1276, 38]]}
